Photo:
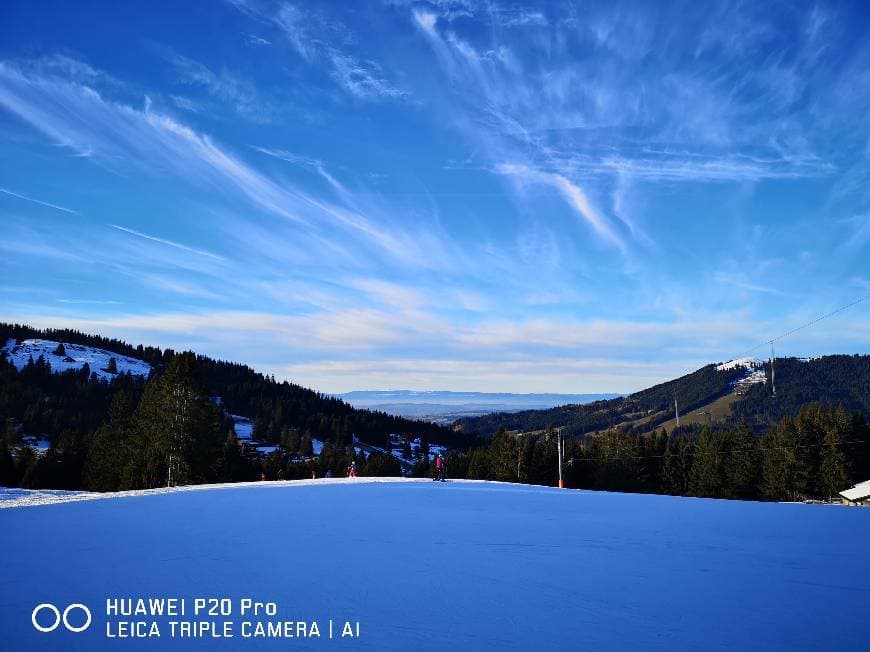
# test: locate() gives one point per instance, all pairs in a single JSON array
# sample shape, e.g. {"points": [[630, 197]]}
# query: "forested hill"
{"points": [[49, 404], [833, 379], [647, 407]]}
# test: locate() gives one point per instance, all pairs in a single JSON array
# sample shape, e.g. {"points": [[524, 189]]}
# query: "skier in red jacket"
{"points": [[439, 468]]}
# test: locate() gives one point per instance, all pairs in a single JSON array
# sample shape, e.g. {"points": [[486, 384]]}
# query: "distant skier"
{"points": [[351, 472], [328, 473], [439, 468]]}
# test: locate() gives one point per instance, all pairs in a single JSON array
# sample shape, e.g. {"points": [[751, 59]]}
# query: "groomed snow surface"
{"points": [[450, 566]]}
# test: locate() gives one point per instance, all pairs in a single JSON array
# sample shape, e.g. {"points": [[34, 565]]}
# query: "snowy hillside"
{"points": [[754, 372], [75, 356], [746, 363], [467, 566]]}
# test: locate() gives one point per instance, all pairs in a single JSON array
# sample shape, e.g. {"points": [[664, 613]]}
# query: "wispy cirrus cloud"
{"points": [[39, 201], [318, 38], [169, 243], [571, 193], [305, 161], [362, 79], [79, 117], [597, 122], [240, 94]]}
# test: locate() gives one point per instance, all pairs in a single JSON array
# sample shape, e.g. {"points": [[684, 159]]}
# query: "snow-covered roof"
{"points": [[858, 492]]}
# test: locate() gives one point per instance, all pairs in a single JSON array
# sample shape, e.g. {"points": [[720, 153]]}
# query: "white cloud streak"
{"points": [[39, 201], [169, 243], [571, 193], [78, 117]]}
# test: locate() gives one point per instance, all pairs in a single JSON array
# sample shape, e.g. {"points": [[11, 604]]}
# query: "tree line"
{"points": [[131, 432], [813, 455]]}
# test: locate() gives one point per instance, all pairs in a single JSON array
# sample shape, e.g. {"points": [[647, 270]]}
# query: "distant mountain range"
{"points": [[446, 406]]}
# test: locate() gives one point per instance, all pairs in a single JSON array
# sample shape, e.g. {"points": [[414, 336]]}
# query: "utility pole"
{"points": [[772, 371]]}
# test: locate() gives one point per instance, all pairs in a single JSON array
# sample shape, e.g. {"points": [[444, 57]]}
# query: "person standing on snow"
{"points": [[351, 472], [439, 468]]}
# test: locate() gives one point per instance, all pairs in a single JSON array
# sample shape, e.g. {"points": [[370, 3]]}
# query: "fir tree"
{"points": [[784, 474], [112, 367], [180, 426], [503, 457], [59, 350], [543, 463], [833, 474], [676, 466], [7, 465], [706, 476], [107, 447], [478, 464], [743, 464]]}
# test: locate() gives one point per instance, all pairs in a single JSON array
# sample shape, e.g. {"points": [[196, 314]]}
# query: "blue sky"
{"points": [[462, 195]]}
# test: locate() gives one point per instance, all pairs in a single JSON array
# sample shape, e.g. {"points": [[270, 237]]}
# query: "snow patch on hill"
{"points": [[754, 372], [76, 355], [746, 363]]}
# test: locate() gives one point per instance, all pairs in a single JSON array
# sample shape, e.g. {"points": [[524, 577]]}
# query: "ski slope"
{"points": [[465, 566]]}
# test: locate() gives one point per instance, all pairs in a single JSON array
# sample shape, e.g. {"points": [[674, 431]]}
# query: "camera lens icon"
{"points": [[60, 617]]}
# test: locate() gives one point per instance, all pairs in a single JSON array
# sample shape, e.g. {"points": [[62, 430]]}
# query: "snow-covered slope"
{"points": [[753, 372], [76, 356], [746, 363], [456, 566]]}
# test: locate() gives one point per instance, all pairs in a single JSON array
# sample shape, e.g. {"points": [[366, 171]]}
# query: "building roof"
{"points": [[858, 492]]}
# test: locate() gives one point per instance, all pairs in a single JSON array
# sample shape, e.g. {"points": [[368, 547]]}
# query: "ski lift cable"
{"points": [[803, 326]]}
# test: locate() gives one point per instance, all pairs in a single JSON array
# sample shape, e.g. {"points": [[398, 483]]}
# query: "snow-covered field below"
{"points": [[75, 357], [446, 566]]}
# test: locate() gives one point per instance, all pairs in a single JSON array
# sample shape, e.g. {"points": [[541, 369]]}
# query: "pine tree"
{"points": [[180, 427], [107, 447], [7, 464], [784, 472], [59, 350], [112, 367], [478, 464], [706, 475], [833, 473], [743, 463], [25, 465], [677, 465], [543, 467], [503, 457]]}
